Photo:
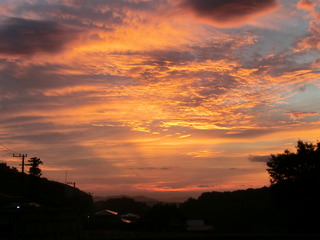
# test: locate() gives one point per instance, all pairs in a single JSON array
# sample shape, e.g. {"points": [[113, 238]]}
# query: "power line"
{"points": [[5, 152], [6, 149]]}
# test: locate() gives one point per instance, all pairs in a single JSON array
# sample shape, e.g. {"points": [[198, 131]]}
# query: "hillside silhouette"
{"points": [[39, 207], [40, 190]]}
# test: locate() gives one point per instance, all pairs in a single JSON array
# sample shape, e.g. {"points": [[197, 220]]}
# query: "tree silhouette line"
{"points": [[290, 205]]}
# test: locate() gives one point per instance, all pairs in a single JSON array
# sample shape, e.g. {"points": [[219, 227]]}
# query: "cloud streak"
{"points": [[262, 158], [299, 115]]}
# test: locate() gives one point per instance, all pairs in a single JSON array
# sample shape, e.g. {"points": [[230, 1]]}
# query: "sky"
{"points": [[158, 97]]}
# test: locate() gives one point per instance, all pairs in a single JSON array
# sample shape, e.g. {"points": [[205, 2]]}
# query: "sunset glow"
{"points": [[153, 96]]}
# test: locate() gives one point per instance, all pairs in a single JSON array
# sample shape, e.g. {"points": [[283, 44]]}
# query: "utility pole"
{"points": [[22, 156], [74, 188]]}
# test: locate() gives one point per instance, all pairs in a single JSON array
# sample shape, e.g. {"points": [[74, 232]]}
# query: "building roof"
{"points": [[106, 212]]}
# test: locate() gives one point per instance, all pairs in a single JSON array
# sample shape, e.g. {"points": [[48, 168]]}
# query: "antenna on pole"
{"points": [[65, 177]]}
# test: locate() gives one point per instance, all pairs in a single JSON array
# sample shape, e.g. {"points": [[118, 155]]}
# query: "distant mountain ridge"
{"points": [[143, 199]]}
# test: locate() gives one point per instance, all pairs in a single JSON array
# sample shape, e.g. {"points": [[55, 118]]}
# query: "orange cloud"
{"points": [[306, 4], [203, 154], [312, 39], [299, 115]]}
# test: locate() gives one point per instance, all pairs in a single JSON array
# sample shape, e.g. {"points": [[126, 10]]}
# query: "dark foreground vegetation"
{"points": [[36, 208], [288, 209]]}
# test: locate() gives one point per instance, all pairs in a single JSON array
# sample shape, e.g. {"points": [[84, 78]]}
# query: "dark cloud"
{"points": [[82, 13], [118, 4], [229, 12], [261, 158], [26, 37], [217, 85], [33, 86], [251, 133], [20, 119], [86, 162], [239, 169], [113, 180], [44, 138], [16, 77], [212, 50], [204, 186], [152, 168], [276, 65]]}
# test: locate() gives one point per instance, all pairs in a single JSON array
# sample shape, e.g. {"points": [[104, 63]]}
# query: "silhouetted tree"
{"points": [[241, 211], [301, 167], [295, 184], [34, 166], [5, 167]]}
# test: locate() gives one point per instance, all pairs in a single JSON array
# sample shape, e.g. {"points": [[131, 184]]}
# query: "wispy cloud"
{"points": [[259, 158], [311, 40], [299, 115], [203, 154]]}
